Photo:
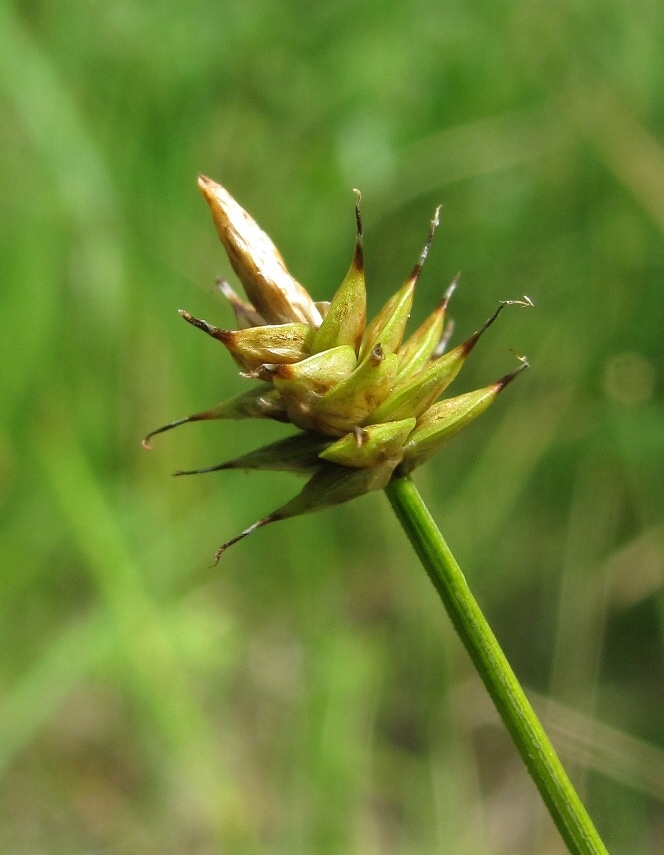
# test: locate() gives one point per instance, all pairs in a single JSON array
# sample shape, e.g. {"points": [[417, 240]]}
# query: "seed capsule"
{"points": [[350, 403]]}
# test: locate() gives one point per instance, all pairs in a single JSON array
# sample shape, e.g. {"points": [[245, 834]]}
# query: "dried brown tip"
{"points": [[145, 442], [205, 183], [216, 468], [210, 329], [358, 258], [224, 546], [470, 343], [504, 381], [358, 216], [377, 354], [204, 415], [525, 303], [435, 222]]}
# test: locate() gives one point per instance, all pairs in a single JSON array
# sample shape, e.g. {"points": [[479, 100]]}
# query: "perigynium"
{"points": [[365, 401]]}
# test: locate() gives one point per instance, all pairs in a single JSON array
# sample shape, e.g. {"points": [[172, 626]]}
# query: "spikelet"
{"points": [[365, 401]]}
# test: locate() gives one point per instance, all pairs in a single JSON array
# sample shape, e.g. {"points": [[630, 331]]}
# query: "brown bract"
{"points": [[274, 293]]}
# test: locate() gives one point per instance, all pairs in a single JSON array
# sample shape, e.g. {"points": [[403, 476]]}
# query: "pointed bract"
{"points": [[345, 319], [255, 346], [331, 485], [299, 454], [262, 402]]}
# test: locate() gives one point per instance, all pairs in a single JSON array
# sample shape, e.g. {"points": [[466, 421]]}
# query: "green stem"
{"points": [[536, 750]]}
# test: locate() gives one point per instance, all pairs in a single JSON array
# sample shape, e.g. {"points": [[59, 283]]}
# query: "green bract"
{"points": [[363, 399]]}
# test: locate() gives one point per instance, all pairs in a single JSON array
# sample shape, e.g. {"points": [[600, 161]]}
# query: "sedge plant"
{"points": [[367, 405]]}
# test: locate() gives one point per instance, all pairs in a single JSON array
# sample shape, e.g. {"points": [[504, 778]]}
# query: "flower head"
{"points": [[365, 400]]}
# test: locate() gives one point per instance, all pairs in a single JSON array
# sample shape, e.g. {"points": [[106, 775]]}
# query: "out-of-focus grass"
{"points": [[311, 697]]}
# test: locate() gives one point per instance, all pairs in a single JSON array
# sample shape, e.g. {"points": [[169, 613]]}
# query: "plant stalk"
{"points": [[524, 727]]}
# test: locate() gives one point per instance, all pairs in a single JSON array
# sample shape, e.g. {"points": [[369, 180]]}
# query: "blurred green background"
{"points": [[311, 697]]}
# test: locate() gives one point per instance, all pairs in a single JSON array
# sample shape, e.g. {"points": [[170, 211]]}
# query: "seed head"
{"points": [[364, 400]]}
